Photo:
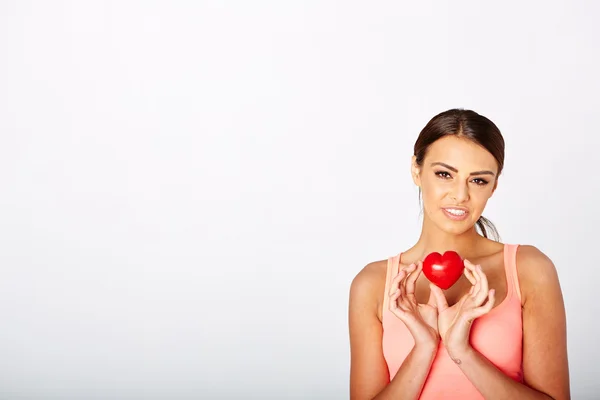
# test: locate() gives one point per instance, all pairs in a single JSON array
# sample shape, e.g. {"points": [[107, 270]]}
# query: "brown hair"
{"points": [[469, 125]]}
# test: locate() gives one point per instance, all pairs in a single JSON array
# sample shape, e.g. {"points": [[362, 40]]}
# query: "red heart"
{"points": [[443, 271]]}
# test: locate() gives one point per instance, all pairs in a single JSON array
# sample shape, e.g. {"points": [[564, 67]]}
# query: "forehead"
{"points": [[460, 153]]}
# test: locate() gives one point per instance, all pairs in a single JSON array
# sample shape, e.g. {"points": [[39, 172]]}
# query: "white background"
{"points": [[188, 188]]}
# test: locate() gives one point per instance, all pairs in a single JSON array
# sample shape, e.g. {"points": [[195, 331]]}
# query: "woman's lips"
{"points": [[460, 214]]}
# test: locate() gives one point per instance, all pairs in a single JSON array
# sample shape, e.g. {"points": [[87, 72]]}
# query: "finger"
{"points": [[412, 278], [432, 302], [409, 271], [393, 301], [440, 299], [396, 281], [471, 269], [397, 304], [468, 272], [408, 267], [484, 289], [401, 274], [405, 270], [484, 309]]}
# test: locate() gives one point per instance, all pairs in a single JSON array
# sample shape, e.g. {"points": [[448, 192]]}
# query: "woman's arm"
{"points": [[369, 377], [545, 364]]}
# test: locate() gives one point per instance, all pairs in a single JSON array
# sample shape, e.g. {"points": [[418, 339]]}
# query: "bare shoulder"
{"points": [[368, 286], [537, 272], [545, 358], [368, 369]]}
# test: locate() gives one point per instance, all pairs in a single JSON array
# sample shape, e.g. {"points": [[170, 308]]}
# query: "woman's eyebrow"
{"points": [[455, 170]]}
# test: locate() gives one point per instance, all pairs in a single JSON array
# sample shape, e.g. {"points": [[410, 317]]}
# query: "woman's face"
{"points": [[457, 178]]}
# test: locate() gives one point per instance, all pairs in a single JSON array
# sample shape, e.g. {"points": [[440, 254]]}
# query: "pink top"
{"points": [[497, 335]]}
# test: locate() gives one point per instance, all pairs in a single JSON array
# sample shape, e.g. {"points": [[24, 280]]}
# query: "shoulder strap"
{"points": [[392, 271], [510, 263]]}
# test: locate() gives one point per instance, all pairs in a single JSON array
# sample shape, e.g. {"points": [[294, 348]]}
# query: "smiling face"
{"points": [[457, 178]]}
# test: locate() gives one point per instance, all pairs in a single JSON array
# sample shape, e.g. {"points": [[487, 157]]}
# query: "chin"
{"points": [[455, 230], [455, 227]]}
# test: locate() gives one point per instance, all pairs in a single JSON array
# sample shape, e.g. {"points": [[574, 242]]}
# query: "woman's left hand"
{"points": [[454, 323]]}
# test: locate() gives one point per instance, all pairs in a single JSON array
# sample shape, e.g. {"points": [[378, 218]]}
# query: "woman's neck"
{"points": [[468, 244]]}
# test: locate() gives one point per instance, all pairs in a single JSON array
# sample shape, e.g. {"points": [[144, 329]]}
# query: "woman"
{"points": [[500, 331]]}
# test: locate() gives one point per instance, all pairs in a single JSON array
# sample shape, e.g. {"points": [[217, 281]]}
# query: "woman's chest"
{"points": [[495, 275]]}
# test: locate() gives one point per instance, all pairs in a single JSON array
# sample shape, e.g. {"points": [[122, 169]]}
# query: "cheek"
{"points": [[433, 190], [433, 196], [481, 195], [478, 202]]}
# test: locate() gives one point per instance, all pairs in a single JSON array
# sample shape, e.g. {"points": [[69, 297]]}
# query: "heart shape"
{"points": [[443, 270]]}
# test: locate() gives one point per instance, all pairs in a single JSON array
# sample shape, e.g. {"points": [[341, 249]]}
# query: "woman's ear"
{"points": [[415, 171]]}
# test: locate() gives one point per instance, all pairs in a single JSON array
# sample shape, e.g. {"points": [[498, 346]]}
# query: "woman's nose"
{"points": [[460, 193]]}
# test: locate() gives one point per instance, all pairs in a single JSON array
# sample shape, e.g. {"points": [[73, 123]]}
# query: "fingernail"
{"points": [[493, 292], [479, 267]]}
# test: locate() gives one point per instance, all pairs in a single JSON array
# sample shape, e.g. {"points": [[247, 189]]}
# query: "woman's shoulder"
{"points": [[370, 276], [368, 285], [536, 271], [532, 260]]}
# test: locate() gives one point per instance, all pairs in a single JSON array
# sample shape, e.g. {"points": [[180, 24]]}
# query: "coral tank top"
{"points": [[497, 335]]}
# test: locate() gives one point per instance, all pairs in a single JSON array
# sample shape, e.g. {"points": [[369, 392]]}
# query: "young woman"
{"points": [[500, 331]]}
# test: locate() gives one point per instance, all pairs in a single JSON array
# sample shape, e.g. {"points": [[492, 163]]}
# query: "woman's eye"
{"points": [[446, 175], [480, 181]]}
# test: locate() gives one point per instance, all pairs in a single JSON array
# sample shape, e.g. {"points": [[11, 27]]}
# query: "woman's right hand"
{"points": [[420, 319]]}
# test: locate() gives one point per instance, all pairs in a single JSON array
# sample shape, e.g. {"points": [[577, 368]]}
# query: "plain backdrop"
{"points": [[187, 188]]}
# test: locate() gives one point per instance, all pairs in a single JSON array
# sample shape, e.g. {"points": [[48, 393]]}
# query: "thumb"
{"points": [[440, 299], [432, 299]]}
